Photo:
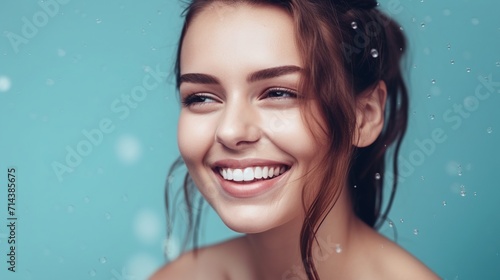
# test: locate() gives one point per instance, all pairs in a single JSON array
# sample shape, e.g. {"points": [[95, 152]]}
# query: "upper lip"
{"points": [[243, 163]]}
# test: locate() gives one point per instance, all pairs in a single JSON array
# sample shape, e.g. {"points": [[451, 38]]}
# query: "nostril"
{"points": [[238, 131]]}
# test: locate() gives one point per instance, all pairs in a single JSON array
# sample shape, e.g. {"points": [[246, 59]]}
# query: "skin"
{"points": [[239, 119]]}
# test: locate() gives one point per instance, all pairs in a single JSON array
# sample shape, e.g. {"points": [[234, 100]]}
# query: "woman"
{"points": [[287, 110]]}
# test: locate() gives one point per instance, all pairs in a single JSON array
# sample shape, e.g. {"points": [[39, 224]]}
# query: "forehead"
{"points": [[255, 36]]}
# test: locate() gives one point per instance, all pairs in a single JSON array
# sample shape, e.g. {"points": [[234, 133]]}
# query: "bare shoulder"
{"points": [[402, 265], [210, 262], [394, 262]]}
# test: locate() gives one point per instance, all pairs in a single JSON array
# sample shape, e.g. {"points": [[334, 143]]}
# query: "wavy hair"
{"points": [[347, 47]]}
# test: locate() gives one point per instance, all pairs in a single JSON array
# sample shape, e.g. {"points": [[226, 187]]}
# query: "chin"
{"points": [[252, 219], [248, 220], [247, 228]]}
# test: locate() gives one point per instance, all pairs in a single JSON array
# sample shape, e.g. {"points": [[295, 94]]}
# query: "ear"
{"points": [[370, 106]]}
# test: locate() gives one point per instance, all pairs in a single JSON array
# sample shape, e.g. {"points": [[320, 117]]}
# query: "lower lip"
{"points": [[249, 189]]}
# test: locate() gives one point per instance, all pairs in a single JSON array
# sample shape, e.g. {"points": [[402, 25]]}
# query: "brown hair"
{"points": [[347, 47]]}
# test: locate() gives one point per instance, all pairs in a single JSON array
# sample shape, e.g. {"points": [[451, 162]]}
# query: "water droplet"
{"points": [[107, 215], [377, 176], [98, 20], [422, 178], [153, 48], [474, 21], [468, 70], [158, 12], [428, 96], [86, 199], [444, 203], [374, 53], [449, 97], [354, 25], [422, 25], [446, 12], [433, 81], [489, 130], [61, 52], [448, 46], [338, 248], [401, 220], [391, 224], [49, 82], [415, 231], [149, 22], [92, 273], [498, 63], [459, 170], [401, 28], [431, 117], [462, 191], [103, 260], [4, 84], [70, 209], [128, 149], [452, 61], [475, 193], [355, 186]]}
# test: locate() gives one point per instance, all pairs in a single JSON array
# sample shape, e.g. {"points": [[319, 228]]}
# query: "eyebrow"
{"points": [[268, 73]]}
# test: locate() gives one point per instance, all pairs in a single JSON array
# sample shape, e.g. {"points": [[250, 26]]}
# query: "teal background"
{"points": [[105, 218]]}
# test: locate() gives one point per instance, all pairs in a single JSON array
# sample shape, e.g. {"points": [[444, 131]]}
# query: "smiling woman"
{"points": [[243, 67]]}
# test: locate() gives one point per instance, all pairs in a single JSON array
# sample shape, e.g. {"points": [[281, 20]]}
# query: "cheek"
{"points": [[194, 138], [290, 132]]}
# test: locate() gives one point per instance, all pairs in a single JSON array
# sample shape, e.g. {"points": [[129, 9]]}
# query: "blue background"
{"points": [[103, 217]]}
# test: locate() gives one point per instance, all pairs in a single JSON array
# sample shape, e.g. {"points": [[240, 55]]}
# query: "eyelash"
{"points": [[194, 99], [291, 93]]}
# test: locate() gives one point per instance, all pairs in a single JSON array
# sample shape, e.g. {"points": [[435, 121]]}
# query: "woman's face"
{"points": [[241, 131]]}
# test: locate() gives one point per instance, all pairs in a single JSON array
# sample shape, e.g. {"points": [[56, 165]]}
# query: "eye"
{"points": [[279, 93], [197, 99]]}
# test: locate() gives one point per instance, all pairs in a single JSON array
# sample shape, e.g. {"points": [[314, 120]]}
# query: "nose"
{"points": [[238, 127]]}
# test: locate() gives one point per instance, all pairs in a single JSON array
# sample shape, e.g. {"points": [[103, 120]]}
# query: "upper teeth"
{"points": [[251, 173]]}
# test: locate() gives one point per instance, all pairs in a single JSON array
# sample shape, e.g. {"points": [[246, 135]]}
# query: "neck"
{"points": [[276, 253]]}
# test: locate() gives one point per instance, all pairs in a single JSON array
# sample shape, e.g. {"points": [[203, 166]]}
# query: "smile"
{"points": [[250, 174]]}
